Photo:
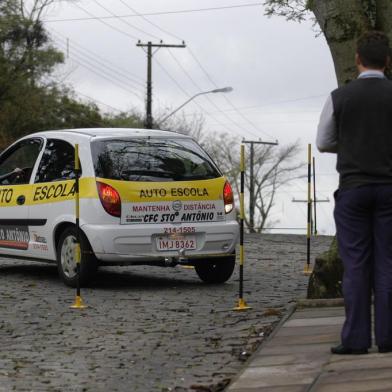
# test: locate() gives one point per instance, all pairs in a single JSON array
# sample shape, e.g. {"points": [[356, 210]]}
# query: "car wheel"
{"points": [[217, 270], [66, 263]]}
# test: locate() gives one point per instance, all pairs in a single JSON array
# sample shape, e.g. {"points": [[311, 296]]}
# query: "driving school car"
{"points": [[146, 197]]}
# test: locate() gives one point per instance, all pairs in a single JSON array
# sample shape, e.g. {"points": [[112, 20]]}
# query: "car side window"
{"points": [[57, 162], [16, 164]]}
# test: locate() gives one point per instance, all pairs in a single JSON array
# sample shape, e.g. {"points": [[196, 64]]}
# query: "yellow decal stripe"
{"points": [[53, 192], [9, 194], [130, 191], [48, 192], [138, 192]]}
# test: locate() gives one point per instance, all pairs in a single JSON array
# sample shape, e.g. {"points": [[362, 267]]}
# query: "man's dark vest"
{"points": [[363, 114]]}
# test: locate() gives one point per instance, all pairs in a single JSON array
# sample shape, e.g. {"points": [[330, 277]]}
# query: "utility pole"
{"points": [[309, 201], [314, 196], [149, 45], [251, 179], [313, 222]]}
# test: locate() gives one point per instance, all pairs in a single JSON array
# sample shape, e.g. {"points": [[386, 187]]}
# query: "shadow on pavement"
{"points": [[108, 279], [132, 278]]}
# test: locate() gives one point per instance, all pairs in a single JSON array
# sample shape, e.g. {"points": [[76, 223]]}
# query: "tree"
{"points": [[192, 126], [26, 59], [29, 100], [341, 22], [25, 50], [123, 120], [273, 168]]}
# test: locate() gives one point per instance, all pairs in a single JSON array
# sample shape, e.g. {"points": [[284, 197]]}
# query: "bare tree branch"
{"points": [[272, 169]]}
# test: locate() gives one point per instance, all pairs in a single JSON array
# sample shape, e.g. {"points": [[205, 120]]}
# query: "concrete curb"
{"points": [[320, 303], [291, 308]]}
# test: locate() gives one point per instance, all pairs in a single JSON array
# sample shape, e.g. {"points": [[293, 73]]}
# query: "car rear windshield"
{"points": [[152, 159]]}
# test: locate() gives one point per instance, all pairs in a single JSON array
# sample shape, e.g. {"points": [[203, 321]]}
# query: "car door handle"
{"points": [[21, 200]]}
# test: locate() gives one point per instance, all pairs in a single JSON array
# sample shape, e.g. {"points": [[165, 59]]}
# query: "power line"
{"points": [[149, 22], [304, 121], [115, 81], [187, 94], [121, 31], [273, 112], [124, 21], [201, 66], [93, 17], [99, 102], [207, 97], [100, 19], [99, 60], [209, 78], [182, 68], [86, 62], [135, 78], [125, 33], [227, 99], [279, 102], [116, 29]]}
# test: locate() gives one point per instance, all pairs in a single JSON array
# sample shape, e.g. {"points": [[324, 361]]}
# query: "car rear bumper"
{"points": [[121, 244]]}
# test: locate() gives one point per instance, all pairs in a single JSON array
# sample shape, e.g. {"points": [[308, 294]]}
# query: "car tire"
{"points": [[215, 270], [66, 264]]}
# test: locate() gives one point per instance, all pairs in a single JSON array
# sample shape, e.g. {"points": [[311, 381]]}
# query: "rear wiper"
{"points": [[198, 177], [151, 173]]}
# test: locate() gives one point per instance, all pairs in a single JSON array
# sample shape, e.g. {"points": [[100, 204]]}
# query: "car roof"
{"points": [[109, 132]]}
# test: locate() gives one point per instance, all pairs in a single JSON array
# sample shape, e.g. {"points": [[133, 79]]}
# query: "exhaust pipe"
{"points": [[170, 262]]}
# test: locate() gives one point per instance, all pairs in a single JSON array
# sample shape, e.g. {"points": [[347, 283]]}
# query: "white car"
{"points": [[146, 197]]}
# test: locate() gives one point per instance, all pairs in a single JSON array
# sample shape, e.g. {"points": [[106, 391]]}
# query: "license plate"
{"points": [[176, 243]]}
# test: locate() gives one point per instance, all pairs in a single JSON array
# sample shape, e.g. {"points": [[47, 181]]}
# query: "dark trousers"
{"points": [[363, 219]]}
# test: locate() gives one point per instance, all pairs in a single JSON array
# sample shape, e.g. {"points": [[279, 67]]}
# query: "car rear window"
{"points": [[152, 159]]}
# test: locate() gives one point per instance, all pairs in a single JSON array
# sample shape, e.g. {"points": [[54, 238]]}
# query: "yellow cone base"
{"points": [[78, 304], [187, 267], [241, 305], [308, 270]]}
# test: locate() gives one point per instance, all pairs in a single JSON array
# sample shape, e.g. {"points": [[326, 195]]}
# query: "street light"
{"points": [[217, 90]]}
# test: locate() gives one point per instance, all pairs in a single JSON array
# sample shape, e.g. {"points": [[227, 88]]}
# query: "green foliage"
{"points": [[25, 50], [26, 58], [341, 22], [28, 101], [370, 10], [298, 9], [327, 275], [123, 120], [290, 9], [348, 29], [40, 108]]}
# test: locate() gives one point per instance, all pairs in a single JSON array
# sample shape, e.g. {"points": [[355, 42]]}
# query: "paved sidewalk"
{"points": [[298, 359]]}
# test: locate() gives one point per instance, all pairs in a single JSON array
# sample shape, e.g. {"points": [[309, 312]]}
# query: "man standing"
{"points": [[356, 123]]}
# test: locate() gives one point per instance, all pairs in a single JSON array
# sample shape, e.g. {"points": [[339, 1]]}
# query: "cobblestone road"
{"points": [[146, 329]]}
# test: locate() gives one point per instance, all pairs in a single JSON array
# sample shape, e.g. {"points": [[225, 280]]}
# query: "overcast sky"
{"points": [[281, 73]]}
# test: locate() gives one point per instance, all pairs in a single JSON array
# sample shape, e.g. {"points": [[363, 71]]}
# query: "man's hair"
{"points": [[373, 49]]}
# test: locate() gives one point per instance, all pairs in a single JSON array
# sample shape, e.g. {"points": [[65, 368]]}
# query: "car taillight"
{"points": [[228, 197], [110, 199]]}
